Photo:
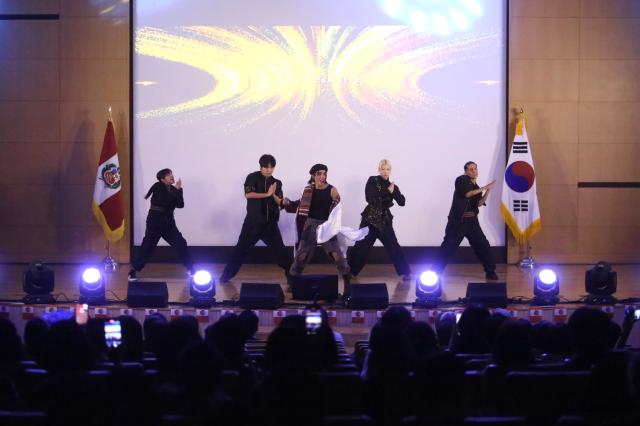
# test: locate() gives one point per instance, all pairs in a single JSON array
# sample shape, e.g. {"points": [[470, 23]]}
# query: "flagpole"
{"points": [[526, 259], [109, 263]]}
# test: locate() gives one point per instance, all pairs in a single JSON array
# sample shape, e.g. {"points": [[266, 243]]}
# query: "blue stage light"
{"points": [[547, 277], [92, 287], [202, 278], [428, 289], [202, 289], [546, 288]]}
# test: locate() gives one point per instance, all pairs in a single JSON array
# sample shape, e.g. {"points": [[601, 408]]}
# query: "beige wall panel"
{"points": [[603, 240], [608, 162], [547, 8], [108, 8], [608, 207], [75, 205], [16, 7], [32, 80], [609, 80], [87, 244], [609, 122], [78, 162], [548, 122], [30, 163], [543, 80], [94, 79], [544, 38], [73, 245], [555, 163], [29, 121], [87, 121], [610, 8], [610, 39], [28, 243], [558, 205], [29, 40], [559, 240], [28, 205], [101, 38]]}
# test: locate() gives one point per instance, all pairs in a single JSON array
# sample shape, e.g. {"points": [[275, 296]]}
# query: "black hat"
{"points": [[318, 167]]}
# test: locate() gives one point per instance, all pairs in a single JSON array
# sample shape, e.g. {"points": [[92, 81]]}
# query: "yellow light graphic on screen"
{"points": [[373, 70]]}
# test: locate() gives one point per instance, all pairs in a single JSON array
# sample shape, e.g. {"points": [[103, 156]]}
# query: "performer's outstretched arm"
{"points": [[483, 200]]}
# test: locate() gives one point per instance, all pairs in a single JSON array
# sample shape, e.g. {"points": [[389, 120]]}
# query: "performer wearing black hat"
{"points": [[165, 198], [380, 193], [463, 222], [313, 209], [264, 200]]}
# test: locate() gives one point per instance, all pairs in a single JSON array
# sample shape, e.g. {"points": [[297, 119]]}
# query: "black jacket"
{"points": [[460, 202], [379, 200], [165, 199], [262, 210]]}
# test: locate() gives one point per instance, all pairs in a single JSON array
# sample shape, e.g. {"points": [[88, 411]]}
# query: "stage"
{"points": [[354, 325], [455, 279]]}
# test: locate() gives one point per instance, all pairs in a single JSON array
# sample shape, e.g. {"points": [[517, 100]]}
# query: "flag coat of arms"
{"points": [[519, 206], [107, 203]]}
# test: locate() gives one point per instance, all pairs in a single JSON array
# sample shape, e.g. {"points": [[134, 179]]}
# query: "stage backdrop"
{"points": [[217, 83]]}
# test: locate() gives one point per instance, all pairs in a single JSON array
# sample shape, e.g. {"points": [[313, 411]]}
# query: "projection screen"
{"points": [[217, 83]]}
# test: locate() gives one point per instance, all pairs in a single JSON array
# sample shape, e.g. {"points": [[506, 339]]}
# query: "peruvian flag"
{"points": [[107, 203]]}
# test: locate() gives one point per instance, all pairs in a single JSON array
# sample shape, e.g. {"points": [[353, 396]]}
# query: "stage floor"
{"points": [[519, 282]]}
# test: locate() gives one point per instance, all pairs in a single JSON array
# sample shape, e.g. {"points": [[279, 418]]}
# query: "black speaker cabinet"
{"points": [[491, 295], [309, 287], [369, 296], [147, 294], [261, 296]]}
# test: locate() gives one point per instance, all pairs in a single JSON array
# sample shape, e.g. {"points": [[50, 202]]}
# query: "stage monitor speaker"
{"points": [[491, 295], [147, 294], [369, 296], [312, 286], [261, 296]]}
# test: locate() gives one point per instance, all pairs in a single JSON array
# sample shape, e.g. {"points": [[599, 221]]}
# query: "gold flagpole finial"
{"points": [[109, 116]]}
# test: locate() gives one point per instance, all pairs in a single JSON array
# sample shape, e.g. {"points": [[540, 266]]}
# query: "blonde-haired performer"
{"points": [[380, 193]]}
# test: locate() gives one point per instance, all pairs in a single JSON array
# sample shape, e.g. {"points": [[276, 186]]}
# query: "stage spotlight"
{"points": [[38, 283], [601, 282], [428, 289], [202, 289], [546, 288], [92, 287]]}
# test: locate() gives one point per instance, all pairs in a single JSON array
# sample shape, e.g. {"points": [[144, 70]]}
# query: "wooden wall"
{"points": [[574, 66], [58, 75]]}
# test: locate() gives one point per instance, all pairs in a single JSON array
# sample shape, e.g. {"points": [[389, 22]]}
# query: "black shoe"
{"points": [[131, 276], [491, 276]]}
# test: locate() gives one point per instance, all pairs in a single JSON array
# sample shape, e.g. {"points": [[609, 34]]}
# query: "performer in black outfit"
{"points": [[463, 222], [264, 201], [380, 193], [165, 198]]}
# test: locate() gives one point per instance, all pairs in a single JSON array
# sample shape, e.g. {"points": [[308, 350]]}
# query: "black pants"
{"points": [[456, 230], [269, 233], [387, 236], [161, 226]]}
